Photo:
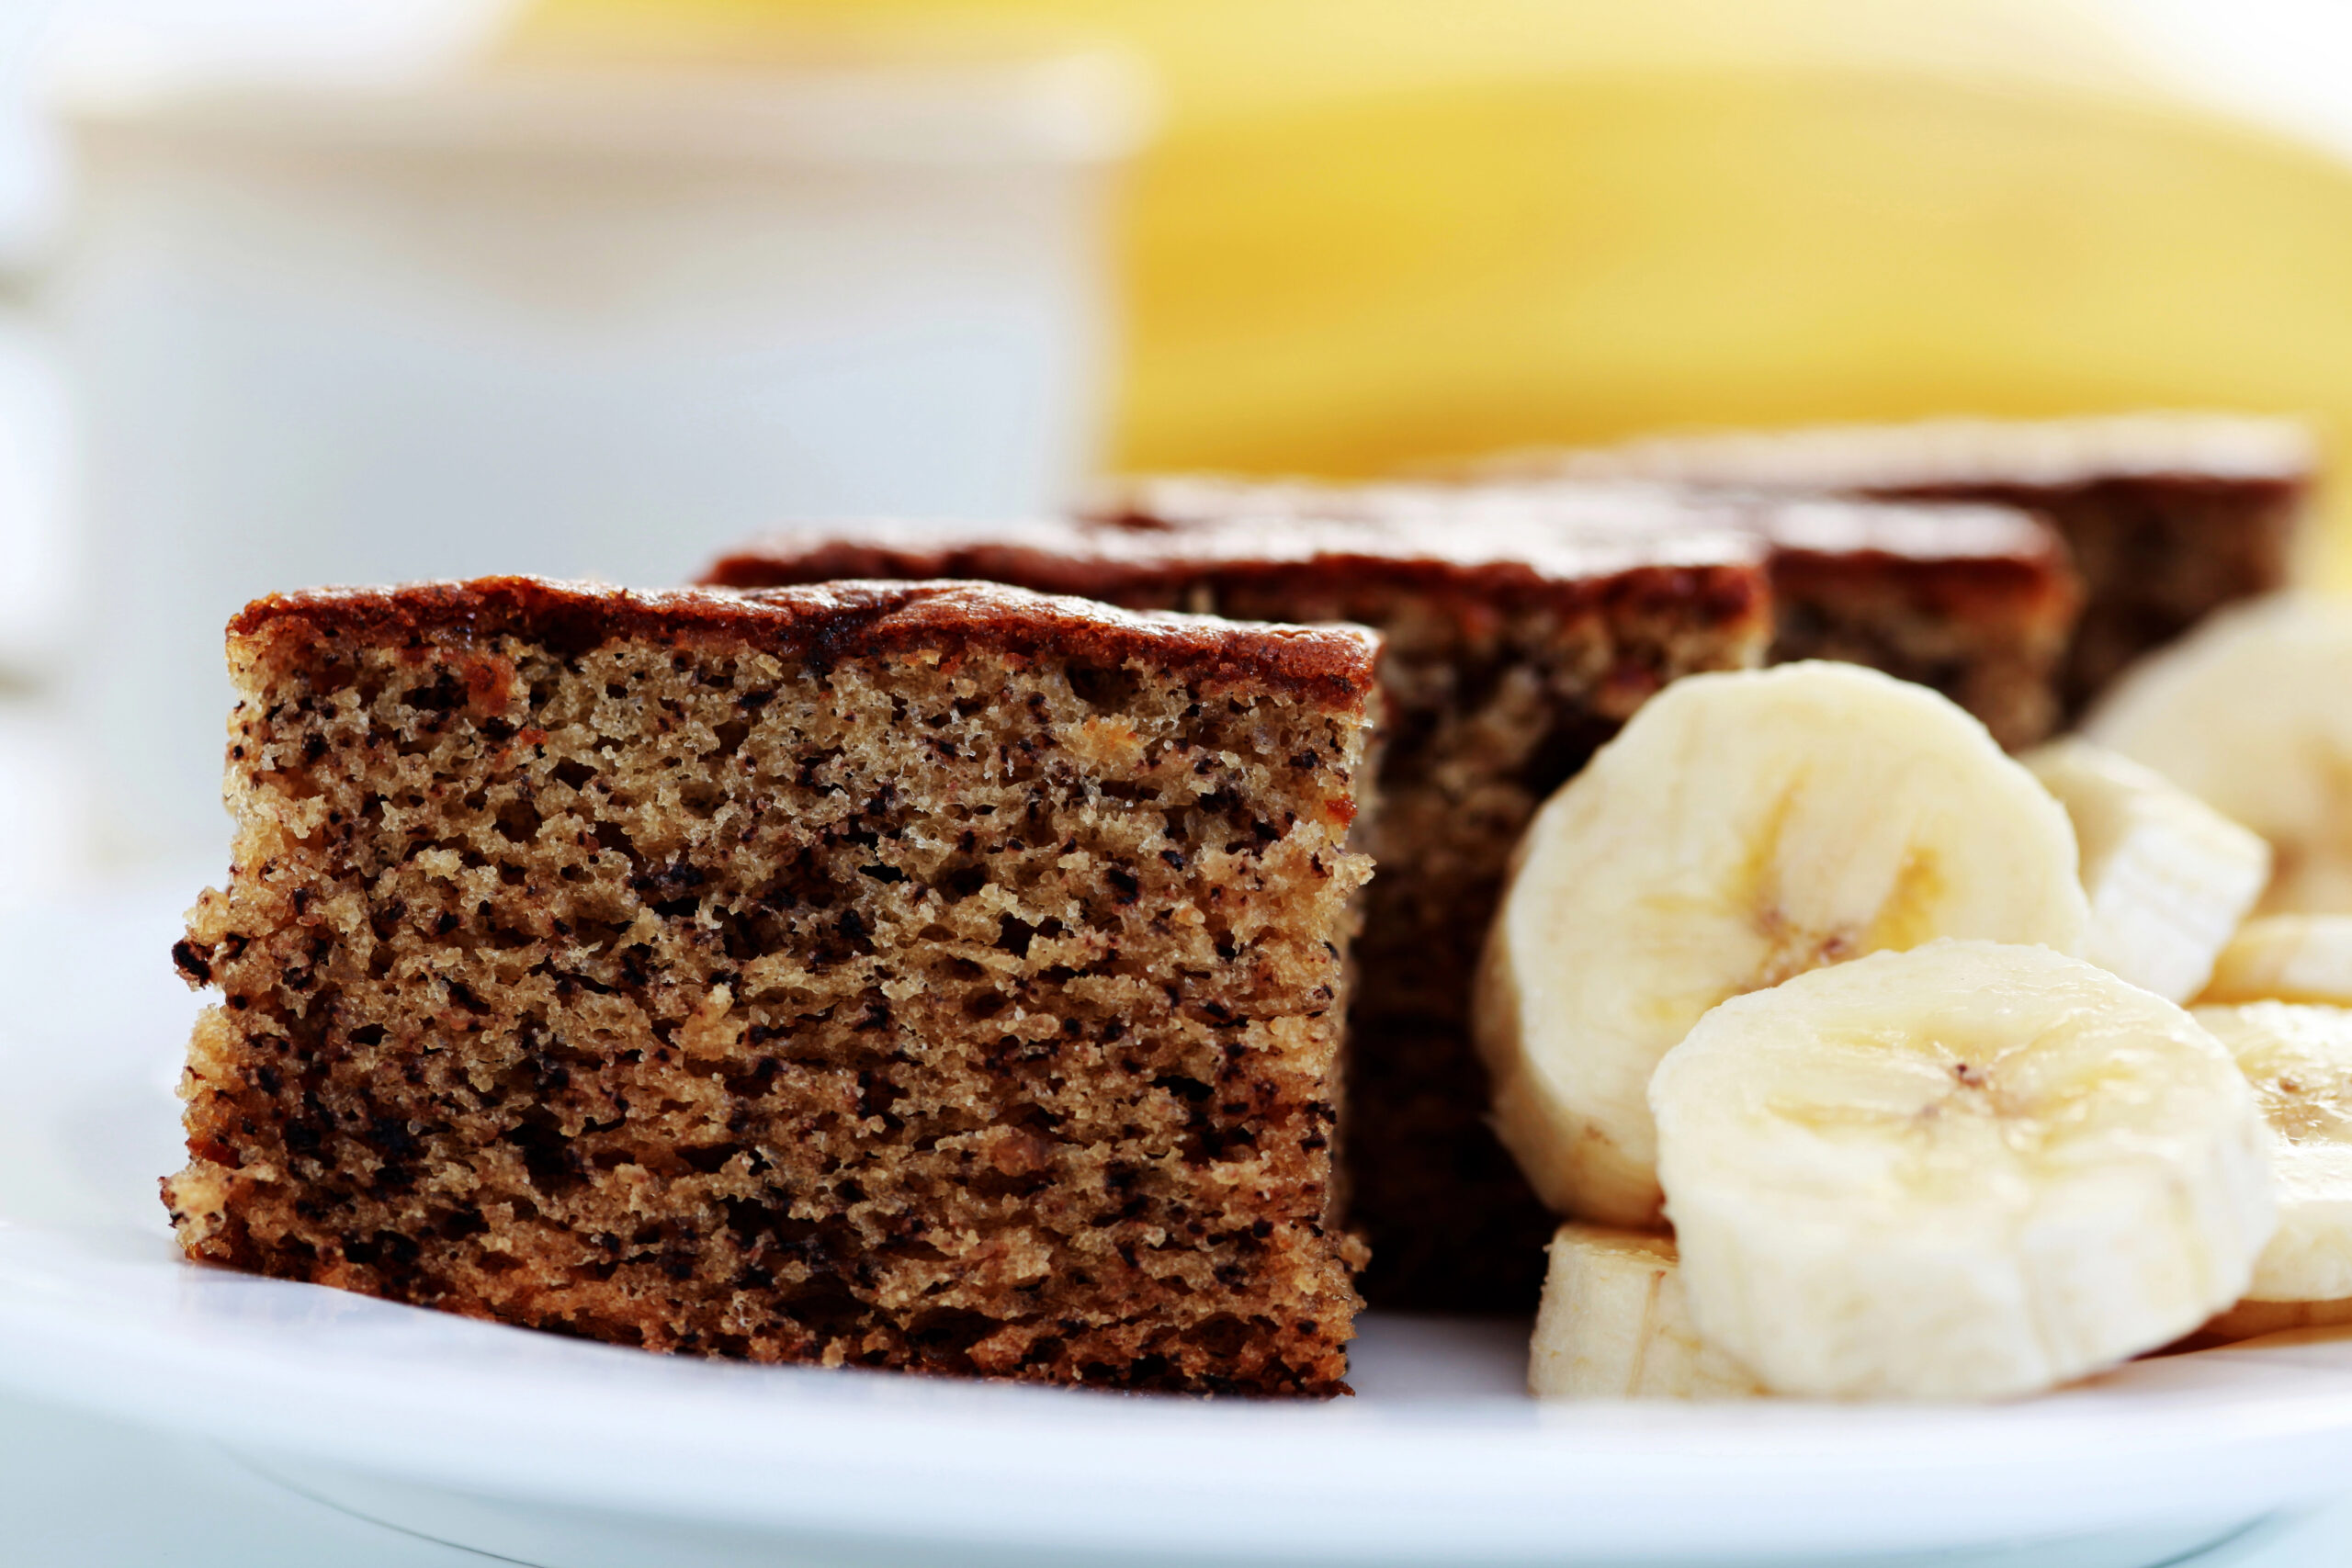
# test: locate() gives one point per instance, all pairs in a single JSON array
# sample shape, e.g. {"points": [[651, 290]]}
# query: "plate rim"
{"points": [[1023, 1465]]}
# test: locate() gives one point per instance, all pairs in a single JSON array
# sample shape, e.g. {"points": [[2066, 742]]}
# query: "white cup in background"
{"points": [[572, 324]]}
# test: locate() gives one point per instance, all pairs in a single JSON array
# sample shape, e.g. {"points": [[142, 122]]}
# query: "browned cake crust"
{"points": [[2169, 516], [1976, 602], [1509, 655], [2159, 553], [930, 975]]}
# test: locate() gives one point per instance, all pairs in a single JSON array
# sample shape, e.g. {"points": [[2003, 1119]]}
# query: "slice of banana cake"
{"points": [[2170, 515], [937, 975], [1975, 599], [1510, 654], [1976, 602]]}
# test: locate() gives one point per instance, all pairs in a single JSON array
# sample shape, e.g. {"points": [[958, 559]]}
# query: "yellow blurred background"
{"points": [[1371, 234]]}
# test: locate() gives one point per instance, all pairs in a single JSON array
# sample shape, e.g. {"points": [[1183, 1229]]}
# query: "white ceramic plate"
{"points": [[552, 1451]]}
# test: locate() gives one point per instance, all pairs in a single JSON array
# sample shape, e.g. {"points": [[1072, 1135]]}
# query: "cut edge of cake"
{"points": [[1511, 654], [601, 961]]}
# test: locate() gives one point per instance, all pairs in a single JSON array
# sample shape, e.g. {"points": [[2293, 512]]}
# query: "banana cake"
{"points": [[932, 976], [1974, 599], [2170, 516], [1510, 654]]}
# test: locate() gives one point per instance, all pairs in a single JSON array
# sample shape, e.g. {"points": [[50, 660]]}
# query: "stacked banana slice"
{"points": [[1743, 828], [2299, 1060], [1969, 1170], [2169, 878], [1803, 964], [1614, 1325], [2287, 958], [2250, 712]]}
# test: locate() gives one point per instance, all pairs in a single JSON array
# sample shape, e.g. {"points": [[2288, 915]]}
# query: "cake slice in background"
{"points": [[928, 975], [1976, 600], [2169, 516], [1509, 653]]}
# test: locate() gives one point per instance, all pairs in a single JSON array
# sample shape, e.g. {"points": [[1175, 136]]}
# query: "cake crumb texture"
{"points": [[921, 976], [1507, 658]]}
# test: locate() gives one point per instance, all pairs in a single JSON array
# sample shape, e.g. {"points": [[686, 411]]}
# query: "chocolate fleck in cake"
{"points": [[2169, 516], [1976, 600], [935, 975], [1510, 654]]}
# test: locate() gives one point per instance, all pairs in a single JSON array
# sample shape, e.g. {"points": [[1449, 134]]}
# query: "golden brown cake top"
{"points": [[1948, 454], [1964, 544], [1499, 559], [1577, 519], [1568, 531], [834, 621]]}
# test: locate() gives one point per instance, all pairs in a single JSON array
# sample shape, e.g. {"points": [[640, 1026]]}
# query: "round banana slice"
{"points": [[1967, 1171], [2300, 1061], [2169, 878], [1742, 828], [2248, 713], [1613, 1325], [2286, 958]]}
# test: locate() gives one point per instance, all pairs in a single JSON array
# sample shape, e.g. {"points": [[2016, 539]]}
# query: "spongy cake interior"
{"points": [[966, 1011], [1509, 653]]}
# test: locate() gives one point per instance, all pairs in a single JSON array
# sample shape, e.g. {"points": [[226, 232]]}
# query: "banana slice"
{"points": [[2169, 878], [1967, 1171], [2251, 1320], [2249, 713], [1613, 1325], [2300, 1061], [1742, 828], [2286, 958]]}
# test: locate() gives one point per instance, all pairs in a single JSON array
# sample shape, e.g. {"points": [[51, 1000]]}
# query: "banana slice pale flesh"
{"points": [[1613, 1325], [2299, 1060], [1970, 1170], [1742, 828], [2286, 958], [2248, 714], [2169, 878]]}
